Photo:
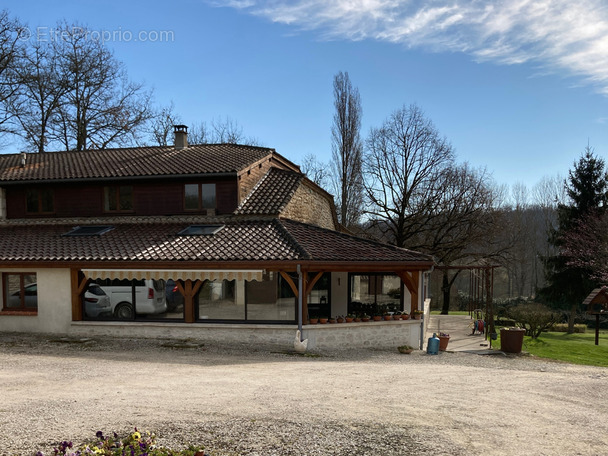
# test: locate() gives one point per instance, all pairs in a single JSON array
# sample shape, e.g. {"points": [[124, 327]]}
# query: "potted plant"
{"points": [[365, 318], [350, 318], [340, 319], [444, 338], [331, 320], [417, 314], [313, 321], [405, 316], [405, 349], [322, 320], [397, 315]]}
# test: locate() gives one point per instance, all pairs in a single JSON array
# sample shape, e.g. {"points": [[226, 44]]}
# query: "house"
{"points": [[249, 247]]}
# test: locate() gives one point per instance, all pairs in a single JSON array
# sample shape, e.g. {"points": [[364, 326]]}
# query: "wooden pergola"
{"points": [[309, 271]]}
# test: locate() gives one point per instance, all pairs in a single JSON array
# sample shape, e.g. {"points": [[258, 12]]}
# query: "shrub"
{"points": [[533, 317], [563, 327]]}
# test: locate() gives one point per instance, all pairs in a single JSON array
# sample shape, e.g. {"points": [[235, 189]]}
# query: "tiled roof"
{"points": [[130, 162], [253, 240], [326, 245], [272, 193], [239, 240]]}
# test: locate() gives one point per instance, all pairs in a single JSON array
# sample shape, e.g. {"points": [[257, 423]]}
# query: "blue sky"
{"points": [[518, 87]]}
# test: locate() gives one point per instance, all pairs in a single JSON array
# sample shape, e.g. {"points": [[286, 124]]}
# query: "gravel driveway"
{"points": [[244, 400]]}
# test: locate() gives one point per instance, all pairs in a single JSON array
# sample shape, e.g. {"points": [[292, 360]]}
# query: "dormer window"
{"points": [[39, 201], [199, 196], [118, 198]]}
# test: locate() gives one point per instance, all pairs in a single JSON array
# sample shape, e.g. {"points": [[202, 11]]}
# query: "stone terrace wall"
{"points": [[340, 336], [308, 205]]}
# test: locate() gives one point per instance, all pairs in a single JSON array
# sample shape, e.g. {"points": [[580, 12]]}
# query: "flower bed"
{"points": [[135, 444]]}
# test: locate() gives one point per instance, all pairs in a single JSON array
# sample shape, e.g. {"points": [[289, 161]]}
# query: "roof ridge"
{"points": [[306, 255], [346, 235]]}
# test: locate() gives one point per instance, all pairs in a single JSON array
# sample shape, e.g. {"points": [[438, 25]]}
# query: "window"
{"points": [[20, 291], [199, 196], [200, 230], [118, 198], [375, 292], [39, 201], [89, 230]]}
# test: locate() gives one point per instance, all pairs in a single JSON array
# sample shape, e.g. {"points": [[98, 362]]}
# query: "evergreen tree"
{"points": [[587, 189]]}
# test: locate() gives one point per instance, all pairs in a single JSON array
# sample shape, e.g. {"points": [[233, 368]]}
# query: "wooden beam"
{"points": [[412, 283], [290, 282], [76, 290], [312, 283], [186, 290]]}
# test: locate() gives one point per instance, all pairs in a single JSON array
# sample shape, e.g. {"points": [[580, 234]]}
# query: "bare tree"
{"points": [[221, 131], [459, 222], [586, 245], [101, 106], [9, 48], [199, 134], [405, 157], [39, 91], [347, 150], [161, 125], [315, 170]]}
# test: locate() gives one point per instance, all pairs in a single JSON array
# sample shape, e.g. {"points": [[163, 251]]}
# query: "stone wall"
{"points": [[343, 336], [309, 205]]}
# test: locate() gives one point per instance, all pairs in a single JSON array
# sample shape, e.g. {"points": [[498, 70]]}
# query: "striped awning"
{"points": [[175, 274]]}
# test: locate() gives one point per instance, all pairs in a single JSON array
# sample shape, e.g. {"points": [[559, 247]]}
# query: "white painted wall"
{"points": [[339, 293], [54, 304]]}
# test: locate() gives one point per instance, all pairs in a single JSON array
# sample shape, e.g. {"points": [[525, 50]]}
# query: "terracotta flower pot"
{"points": [[443, 342], [322, 320], [377, 317], [387, 317], [405, 316], [349, 319], [313, 321], [365, 319], [396, 317]]}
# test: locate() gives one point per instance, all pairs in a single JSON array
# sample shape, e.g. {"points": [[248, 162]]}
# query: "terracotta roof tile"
{"points": [[238, 240], [130, 162], [326, 245], [272, 193]]}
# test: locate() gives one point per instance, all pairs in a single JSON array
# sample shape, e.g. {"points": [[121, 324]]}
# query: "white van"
{"points": [[149, 297]]}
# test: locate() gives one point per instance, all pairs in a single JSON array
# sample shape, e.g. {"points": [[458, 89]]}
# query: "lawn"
{"points": [[572, 348]]}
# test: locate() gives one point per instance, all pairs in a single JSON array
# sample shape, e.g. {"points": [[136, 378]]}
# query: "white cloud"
{"points": [[562, 36]]}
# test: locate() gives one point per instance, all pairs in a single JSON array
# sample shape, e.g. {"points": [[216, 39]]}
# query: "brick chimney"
{"points": [[181, 136]]}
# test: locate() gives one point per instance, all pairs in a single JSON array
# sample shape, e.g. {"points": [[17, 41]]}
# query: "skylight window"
{"points": [[200, 230], [91, 230]]}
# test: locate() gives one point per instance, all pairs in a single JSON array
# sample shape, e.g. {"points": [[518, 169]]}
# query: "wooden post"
{"points": [[189, 291], [412, 284], [78, 287]]}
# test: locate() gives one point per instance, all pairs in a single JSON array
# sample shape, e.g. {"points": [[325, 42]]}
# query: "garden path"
{"points": [[460, 329]]}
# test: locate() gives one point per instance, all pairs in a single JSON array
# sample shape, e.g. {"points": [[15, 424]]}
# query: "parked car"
{"points": [[149, 298], [174, 297], [31, 297], [96, 302]]}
